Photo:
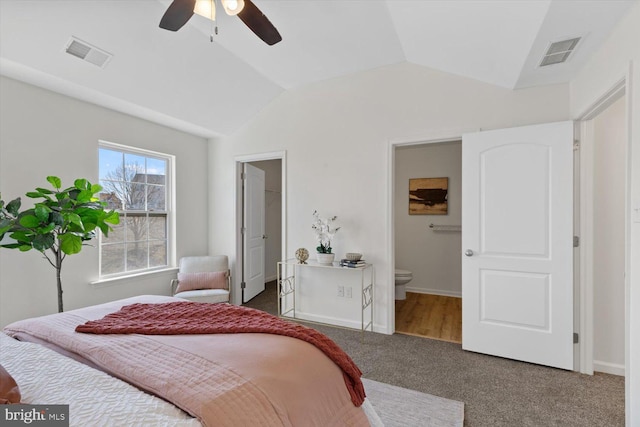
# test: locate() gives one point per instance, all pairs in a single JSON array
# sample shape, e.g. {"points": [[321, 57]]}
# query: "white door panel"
{"points": [[254, 243], [517, 221]]}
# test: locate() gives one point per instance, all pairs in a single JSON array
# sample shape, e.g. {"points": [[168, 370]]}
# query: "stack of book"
{"points": [[352, 264]]}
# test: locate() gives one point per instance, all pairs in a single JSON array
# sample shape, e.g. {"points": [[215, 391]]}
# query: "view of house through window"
{"points": [[136, 185]]}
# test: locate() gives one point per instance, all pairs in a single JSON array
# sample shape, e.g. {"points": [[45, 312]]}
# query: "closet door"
{"points": [[517, 243]]}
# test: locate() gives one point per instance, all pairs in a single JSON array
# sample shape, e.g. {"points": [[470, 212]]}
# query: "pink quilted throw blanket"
{"points": [[187, 317]]}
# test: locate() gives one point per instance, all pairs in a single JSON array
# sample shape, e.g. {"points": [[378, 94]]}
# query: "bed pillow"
{"points": [[195, 281], [9, 391]]}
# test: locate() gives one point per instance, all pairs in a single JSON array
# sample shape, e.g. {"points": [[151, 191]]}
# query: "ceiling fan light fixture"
{"points": [[206, 8], [233, 7]]}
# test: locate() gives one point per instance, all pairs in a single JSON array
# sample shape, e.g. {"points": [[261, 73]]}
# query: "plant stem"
{"points": [[59, 259]]}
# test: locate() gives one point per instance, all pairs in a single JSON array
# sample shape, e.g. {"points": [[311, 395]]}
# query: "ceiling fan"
{"points": [[180, 11]]}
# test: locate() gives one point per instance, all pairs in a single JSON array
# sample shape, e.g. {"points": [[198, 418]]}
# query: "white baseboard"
{"points": [[608, 368], [270, 278], [435, 292], [329, 320]]}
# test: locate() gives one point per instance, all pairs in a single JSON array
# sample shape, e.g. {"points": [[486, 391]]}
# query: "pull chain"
{"points": [[214, 23]]}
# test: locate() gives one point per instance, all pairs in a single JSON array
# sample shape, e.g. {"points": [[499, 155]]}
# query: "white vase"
{"points": [[325, 258]]}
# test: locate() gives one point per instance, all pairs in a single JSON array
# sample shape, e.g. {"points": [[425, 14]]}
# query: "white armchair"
{"points": [[203, 279]]}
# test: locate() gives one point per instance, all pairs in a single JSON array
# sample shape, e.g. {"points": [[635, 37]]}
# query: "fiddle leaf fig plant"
{"points": [[59, 223]]}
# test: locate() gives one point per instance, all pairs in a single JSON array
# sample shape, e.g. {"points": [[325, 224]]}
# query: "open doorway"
{"points": [[261, 223], [427, 240], [603, 193]]}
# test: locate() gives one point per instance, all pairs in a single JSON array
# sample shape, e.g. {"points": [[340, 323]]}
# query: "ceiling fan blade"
{"points": [[178, 13], [259, 23]]}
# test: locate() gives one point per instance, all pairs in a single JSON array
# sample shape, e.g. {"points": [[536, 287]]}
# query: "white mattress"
{"points": [[95, 398]]}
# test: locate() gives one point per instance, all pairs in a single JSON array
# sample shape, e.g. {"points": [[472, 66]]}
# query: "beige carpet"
{"points": [[401, 407]]}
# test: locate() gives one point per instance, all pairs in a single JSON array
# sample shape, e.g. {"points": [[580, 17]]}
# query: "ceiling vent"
{"points": [[87, 52], [559, 52]]}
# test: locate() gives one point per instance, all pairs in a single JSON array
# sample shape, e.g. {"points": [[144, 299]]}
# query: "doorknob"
{"points": [[264, 236], [468, 252]]}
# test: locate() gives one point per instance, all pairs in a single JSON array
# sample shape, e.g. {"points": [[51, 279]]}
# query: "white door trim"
{"points": [[448, 135], [585, 281], [236, 292]]}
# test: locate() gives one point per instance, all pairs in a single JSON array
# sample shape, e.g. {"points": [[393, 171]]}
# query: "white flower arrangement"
{"points": [[324, 232]]}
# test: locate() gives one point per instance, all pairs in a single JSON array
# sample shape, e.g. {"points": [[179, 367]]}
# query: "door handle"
{"points": [[468, 252], [264, 236]]}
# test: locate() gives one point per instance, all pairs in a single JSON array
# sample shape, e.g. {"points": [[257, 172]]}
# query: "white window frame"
{"points": [[170, 207]]}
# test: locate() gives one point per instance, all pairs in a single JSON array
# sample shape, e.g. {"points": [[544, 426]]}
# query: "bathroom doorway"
{"points": [[428, 240]]}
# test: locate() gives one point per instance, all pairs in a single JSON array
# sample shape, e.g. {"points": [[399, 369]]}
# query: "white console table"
{"points": [[289, 282]]}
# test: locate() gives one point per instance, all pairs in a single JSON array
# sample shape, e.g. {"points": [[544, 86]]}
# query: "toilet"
{"points": [[402, 278]]}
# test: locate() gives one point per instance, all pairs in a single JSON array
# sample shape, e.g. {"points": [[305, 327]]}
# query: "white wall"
{"points": [[336, 134], [433, 257], [273, 214], [43, 133], [618, 57], [608, 245]]}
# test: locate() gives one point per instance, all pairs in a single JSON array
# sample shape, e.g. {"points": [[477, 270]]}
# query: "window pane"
{"points": [[110, 162], [134, 163], [157, 227], [157, 254], [136, 256], [156, 197], [158, 169], [136, 227], [134, 195], [112, 259], [110, 194], [117, 234]]}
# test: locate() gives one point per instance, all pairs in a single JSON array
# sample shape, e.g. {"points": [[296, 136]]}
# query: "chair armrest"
{"points": [[174, 286], [229, 280]]}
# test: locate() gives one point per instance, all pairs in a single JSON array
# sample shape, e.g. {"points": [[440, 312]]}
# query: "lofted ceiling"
{"points": [[212, 88]]}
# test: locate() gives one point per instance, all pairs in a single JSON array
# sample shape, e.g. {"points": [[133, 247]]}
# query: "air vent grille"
{"points": [[87, 52], [559, 52]]}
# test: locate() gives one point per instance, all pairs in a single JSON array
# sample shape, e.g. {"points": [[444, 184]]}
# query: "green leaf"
{"points": [[96, 188], [48, 229], [5, 224], [42, 213], [43, 242], [24, 248], [85, 196], [34, 194], [70, 243], [81, 184], [112, 217], [14, 206], [56, 218], [11, 245], [105, 229], [55, 181], [73, 218], [44, 190], [29, 221], [22, 236]]}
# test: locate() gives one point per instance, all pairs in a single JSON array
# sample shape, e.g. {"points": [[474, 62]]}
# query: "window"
{"points": [[137, 184]]}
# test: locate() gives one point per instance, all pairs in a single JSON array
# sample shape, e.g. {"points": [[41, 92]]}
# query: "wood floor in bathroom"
{"points": [[431, 316]]}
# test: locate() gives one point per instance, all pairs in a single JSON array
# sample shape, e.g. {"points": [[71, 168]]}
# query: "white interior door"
{"points": [[254, 237], [517, 243]]}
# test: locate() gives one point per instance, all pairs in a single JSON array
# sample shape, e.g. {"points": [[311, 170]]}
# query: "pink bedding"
{"points": [[188, 317], [223, 380]]}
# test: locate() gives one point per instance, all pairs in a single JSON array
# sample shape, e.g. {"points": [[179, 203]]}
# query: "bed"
{"points": [[221, 379]]}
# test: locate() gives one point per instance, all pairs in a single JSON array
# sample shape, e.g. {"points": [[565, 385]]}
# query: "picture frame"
{"points": [[428, 196]]}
